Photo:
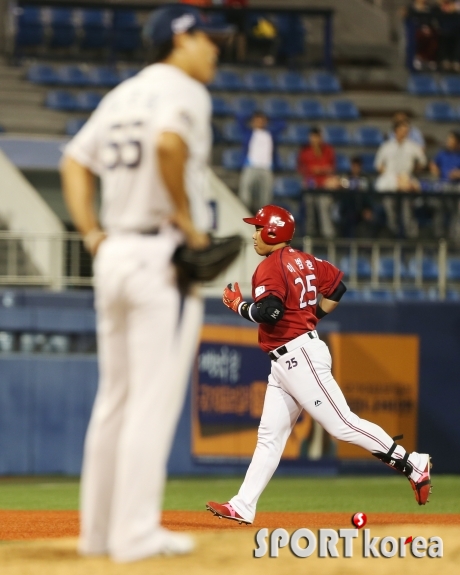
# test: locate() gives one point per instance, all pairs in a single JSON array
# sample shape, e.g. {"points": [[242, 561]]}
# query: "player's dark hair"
{"points": [[259, 114], [315, 130], [161, 52], [357, 160], [456, 135]]}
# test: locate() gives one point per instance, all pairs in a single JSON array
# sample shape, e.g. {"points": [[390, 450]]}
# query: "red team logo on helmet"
{"points": [[278, 224]]}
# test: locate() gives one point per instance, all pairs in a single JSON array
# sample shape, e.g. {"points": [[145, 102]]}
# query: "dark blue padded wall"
{"points": [[46, 400]]}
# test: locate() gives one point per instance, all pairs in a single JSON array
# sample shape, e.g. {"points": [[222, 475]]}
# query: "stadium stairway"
{"points": [[21, 105]]}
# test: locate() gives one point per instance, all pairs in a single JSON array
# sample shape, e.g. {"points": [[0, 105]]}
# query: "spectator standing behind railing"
{"points": [[357, 215], [396, 161], [447, 17], [420, 18], [316, 164], [446, 164], [260, 158]]}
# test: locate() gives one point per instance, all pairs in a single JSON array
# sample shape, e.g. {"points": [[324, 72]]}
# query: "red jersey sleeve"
{"points": [[269, 278], [328, 276]]}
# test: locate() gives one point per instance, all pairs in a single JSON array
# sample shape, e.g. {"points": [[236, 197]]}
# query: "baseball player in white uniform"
{"points": [[149, 141]]}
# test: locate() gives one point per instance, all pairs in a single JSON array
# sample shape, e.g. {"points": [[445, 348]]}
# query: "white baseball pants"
{"points": [[146, 348], [302, 379]]}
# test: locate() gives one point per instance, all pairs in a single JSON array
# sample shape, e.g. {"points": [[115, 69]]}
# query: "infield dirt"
{"points": [[19, 525], [230, 552]]}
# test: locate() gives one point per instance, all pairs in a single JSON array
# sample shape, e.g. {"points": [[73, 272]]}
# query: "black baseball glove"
{"points": [[205, 265]]}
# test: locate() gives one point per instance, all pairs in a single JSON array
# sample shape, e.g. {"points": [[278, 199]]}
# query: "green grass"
{"points": [[350, 494]]}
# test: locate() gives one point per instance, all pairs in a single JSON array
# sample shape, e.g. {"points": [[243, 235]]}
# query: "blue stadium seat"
{"points": [[74, 125], [368, 163], [61, 100], [380, 295], [293, 83], [244, 106], [324, 83], [29, 36], [411, 294], [354, 295], [422, 85], [289, 162], [453, 269], [452, 295], [232, 132], [30, 15], [296, 134], [63, 33], [127, 73], [232, 159], [220, 107], [42, 74], [125, 19], [72, 76], [310, 110], [103, 76], [440, 112], [277, 108], [363, 267], [450, 85], [287, 187], [429, 268], [30, 30], [95, 32], [368, 136], [92, 17], [216, 134], [227, 81], [88, 101], [387, 267], [259, 82], [342, 163], [127, 40], [343, 110], [336, 135], [126, 31]]}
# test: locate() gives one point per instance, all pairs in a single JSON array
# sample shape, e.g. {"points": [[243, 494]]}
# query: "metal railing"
{"points": [[367, 263], [69, 263]]}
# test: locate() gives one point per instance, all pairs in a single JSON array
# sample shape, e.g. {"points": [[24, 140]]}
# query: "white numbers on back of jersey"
{"points": [[308, 289], [123, 146]]}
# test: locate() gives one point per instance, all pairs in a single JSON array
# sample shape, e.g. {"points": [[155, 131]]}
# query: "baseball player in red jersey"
{"points": [[286, 287]]}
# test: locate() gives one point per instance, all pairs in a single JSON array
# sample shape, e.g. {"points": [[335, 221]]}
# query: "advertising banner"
{"points": [[377, 373]]}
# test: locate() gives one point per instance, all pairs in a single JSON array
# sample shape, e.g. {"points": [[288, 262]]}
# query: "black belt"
{"points": [[152, 232], [283, 350]]}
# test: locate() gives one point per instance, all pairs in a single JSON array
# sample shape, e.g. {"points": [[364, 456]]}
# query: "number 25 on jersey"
{"points": [[308, 290]]}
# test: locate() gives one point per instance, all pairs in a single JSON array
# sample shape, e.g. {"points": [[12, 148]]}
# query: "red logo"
{"points": [[359, 520]]}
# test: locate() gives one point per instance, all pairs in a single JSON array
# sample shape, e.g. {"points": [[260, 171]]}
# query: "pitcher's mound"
{"points": [[231, 553]]}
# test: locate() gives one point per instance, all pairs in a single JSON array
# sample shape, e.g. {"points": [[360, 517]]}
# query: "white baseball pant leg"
{"points": [[145, 354], [300, 387]]}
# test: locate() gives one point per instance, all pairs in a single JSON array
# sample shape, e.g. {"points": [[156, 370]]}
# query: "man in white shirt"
{"points": [[256, 183], [149, 141], [396, 161]]}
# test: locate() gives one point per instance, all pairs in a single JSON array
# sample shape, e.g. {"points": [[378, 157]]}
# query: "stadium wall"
{"points": [[45, 400]]}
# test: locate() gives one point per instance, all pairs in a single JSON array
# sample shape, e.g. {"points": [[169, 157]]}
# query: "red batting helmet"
{"points": [[278, 224]]}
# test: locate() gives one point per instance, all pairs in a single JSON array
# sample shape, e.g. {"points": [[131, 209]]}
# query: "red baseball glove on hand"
{"points": [[232, 297]]}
